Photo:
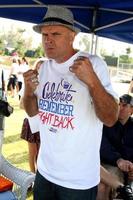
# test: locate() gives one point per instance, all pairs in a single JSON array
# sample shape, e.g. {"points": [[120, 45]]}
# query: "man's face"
{"points": [[125, 111], [57, 42]]}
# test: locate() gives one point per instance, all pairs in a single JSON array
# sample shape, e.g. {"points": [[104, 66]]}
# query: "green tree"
{"points": [[85, 41], [15, 39], [128, 51], [126, 57], [123, 59], [39, 52]]}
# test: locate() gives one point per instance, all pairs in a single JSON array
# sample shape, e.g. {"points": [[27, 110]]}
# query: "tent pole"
{"points": [[96, 44], [92, 43]]}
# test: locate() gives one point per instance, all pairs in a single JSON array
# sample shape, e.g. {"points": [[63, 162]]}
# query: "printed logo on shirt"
{"points": [[56, 108]]}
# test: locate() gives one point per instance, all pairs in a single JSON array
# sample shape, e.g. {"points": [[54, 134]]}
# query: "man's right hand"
{"points": [[29, 98], [31, 81]]}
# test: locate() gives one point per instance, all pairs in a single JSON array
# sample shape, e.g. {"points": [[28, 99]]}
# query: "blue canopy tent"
{"points": [[111, 19]]}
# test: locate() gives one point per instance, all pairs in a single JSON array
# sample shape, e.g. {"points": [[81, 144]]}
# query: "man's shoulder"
{"points": [[90, 56], [110, 131], [117, 123], [131, 120]]}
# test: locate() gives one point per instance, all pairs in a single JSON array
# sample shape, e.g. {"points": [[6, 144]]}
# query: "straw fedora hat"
{"points": [[57, 15]]}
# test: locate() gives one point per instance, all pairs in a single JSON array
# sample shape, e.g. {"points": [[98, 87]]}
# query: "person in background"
{"points": [[26, 134], [12, 83], [111, 180], [33, 141], [2, 79], [23, 67], [71, 97], [107, 178], [117, 148], [130, 90]]}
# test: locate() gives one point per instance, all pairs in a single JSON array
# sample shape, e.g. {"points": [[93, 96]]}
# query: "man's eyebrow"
{"points": [[53, 33], [57, 33]]}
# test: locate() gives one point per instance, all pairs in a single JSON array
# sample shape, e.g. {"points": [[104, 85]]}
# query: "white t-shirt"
{"points": [[69, 128], [21, 69], [14, 69]]}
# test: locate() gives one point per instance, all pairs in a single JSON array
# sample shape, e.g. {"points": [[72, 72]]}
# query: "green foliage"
{"points": [[1, 46], [84, 41], [39, 52], [30, 53], [124, 59], [128, 50], [14, 39], [111, 61]]}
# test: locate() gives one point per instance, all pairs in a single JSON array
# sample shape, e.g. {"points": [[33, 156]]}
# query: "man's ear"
{"points": [[72, 37]]}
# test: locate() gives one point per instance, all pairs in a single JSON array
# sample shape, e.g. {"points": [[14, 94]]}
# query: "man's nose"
{"points": [[48, 39]]}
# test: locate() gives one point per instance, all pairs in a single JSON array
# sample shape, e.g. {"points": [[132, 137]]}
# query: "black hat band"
{"points": [[54, 19]]}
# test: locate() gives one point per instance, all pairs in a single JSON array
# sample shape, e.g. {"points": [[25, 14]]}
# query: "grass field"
{"points": [[14, 148]]}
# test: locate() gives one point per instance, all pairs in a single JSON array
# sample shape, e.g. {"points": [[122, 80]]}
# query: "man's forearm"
{"points": [[30, 105], [109, 179], [106, 106]]}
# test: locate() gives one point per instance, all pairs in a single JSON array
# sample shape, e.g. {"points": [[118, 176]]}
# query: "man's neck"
{"points": [[123, 121], [66, 57]]}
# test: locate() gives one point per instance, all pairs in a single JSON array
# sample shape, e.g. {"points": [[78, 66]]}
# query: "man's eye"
{"points": [[56, 34], [44, 35]]}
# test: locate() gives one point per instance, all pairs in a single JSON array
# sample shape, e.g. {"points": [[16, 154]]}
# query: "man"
{"points": [[117, 146], [110, 180], [72, 97], [124, 192], [130, 90]]}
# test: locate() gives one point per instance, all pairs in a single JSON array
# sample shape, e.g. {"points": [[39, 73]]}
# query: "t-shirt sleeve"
{"points": [[34, 123], [101, 69]]}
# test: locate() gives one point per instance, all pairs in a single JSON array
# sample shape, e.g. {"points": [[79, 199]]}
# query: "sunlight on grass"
{"points": [[14, 148]]}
